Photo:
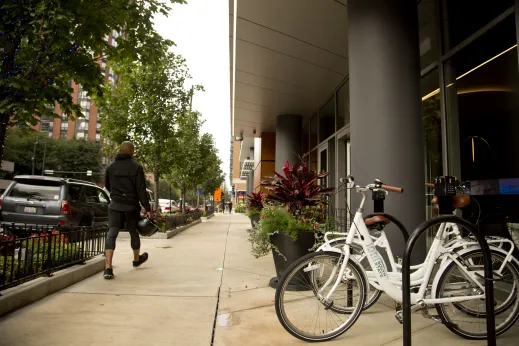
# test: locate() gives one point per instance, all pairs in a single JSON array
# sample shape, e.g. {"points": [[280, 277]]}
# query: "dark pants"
{"points": [[127, 220]]}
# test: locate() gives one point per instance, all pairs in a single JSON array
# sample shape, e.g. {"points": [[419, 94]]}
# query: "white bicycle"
{"points": [[337, 285]]}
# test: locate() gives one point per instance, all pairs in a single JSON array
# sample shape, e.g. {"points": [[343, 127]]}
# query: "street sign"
{"points": [[89, 173], [218, 194], [49, 172]]}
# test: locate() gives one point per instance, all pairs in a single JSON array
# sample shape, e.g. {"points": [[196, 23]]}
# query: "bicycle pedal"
{"points": [[400, 317]]}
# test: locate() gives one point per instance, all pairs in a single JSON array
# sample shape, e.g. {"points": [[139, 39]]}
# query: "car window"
{"points": [[92, 194], [103, 198], [75, 192], [33, 191]]}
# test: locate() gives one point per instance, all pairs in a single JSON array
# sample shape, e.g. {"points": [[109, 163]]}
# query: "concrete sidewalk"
{"points": [[172, 300]]}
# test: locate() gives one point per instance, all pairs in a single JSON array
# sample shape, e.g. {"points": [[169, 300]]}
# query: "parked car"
{"points": [[166, 206], [38, 200]]}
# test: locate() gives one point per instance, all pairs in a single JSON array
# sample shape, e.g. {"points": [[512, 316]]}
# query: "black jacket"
{"points": [[124, 179]]}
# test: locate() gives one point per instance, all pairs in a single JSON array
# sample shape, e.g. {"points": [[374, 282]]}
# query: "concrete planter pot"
{"points": [[292, 250], [254, 219]]}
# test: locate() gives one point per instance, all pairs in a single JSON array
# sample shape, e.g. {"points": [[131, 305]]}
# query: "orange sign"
{"points": [[218, 194]]}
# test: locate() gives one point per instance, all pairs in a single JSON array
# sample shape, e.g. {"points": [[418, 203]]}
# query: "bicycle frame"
{"points": [[390, 282]]}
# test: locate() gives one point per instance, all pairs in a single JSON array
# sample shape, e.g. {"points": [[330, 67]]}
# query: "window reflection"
{"points": [[462, 18], [327, 120], [313, 131], [343, 105], [482, 95], [428, 32]]}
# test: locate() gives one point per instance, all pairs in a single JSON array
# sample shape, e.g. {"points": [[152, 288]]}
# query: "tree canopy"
{"points": [[71, 156], [46, 44]]}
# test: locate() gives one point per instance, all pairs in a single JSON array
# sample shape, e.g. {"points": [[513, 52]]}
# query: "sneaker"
{"points": [[142, 258], [108, 274]]}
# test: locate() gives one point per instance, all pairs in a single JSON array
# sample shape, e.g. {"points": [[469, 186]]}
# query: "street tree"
{"points": [[46, 44], [143, 108], [194, 159]]}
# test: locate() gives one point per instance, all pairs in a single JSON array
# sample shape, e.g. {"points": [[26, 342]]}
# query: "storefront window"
{"points": [[428, 32], [482, 99], [432, 129], [343, 105], [314, 123], [327, 120], [306, 139], [462, 18]]}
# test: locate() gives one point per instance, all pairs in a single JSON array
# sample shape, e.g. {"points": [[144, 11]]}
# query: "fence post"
{"points": [[49, 254]]}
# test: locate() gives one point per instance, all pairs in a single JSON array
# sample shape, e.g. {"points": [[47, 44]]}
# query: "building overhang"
{"points": [[287, 63]]}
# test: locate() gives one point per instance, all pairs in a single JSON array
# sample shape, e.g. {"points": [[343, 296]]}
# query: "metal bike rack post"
{"points": [[406, 275]]}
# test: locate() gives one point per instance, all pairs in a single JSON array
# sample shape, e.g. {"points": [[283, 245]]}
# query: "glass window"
{"points": [[75, 192], [428, 32], [35, 190], [313, 160], [327, 120], [482, 100], [103, 198], [306, 139], [432, 129], [64, 126], [462, 18], [314, 123], [63, 134], [343, 105]]}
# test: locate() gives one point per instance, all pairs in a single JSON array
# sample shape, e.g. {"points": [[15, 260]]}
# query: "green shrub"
{"points": [[240, 208]]}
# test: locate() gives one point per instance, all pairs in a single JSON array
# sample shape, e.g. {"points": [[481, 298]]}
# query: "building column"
{"points": [[288, 139], [385, 109]]}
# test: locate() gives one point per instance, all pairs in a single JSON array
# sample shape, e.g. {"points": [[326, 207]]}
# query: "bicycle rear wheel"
{"points": [[304, 313], [468, 318]]}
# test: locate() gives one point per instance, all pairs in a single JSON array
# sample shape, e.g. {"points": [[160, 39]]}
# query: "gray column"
{"points": [[385, 107], [288, 139]]}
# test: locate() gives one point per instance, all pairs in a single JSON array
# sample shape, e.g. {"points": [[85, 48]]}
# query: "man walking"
{"points": [[124, 179]]}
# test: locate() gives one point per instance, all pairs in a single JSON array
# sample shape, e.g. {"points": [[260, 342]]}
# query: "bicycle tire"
{"points": [[291, 272], [440, 308]]}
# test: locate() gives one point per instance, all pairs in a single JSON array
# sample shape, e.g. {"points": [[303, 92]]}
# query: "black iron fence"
{"points": [[170, 222], [30, 252]]}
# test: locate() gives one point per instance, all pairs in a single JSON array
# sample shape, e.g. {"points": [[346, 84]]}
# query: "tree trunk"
{"points": [[183, 199], [156, 179], [4, 120]]}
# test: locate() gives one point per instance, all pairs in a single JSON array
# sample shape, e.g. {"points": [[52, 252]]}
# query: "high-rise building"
{"points": [[88, 127]]}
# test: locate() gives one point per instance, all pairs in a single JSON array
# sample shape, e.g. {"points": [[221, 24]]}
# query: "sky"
{"points": [[200, 30]]}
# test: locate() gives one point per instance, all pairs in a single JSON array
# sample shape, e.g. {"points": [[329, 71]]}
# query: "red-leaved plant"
{"points": [[255, 203], [297, 188]]}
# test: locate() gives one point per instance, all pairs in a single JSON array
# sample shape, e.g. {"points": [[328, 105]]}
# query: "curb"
{"points": [[206, 218], [29, 292], [163, 235]]}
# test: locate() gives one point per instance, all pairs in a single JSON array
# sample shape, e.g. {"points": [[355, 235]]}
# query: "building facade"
{"points": [[397, 90], [88, 127]]}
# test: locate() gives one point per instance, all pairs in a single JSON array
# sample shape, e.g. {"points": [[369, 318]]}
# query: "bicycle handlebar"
{"points": [[392, 188]]}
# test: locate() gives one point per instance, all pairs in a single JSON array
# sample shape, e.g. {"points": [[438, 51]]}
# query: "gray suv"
{"points": [[39, 200]]}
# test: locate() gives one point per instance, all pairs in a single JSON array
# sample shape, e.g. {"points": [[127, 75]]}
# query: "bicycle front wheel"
{"points": [[305, 313]]}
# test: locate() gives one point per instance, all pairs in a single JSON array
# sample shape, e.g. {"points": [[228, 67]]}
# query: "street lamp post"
{"points": [[34, 154], [44, 154]]}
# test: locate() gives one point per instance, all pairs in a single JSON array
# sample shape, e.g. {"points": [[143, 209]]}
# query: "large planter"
{"points": [[254, 219], [292, 251]]}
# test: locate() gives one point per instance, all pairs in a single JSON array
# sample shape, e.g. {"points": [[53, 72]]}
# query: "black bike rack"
{"points": [[406, 275]]}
